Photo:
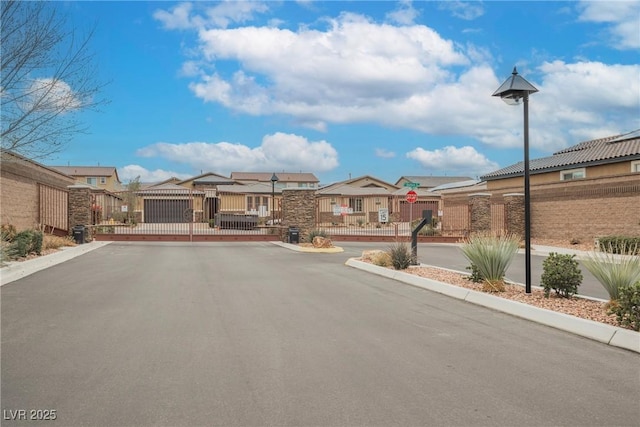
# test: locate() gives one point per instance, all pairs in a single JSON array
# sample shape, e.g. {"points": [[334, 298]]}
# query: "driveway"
{"points": [[252, 334]]}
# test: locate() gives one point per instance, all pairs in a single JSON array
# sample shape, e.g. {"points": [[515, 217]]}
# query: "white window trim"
{"points": [[566, 171], [635, 166]]}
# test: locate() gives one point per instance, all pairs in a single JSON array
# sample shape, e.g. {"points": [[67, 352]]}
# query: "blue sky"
{"points": [[350, 88]]}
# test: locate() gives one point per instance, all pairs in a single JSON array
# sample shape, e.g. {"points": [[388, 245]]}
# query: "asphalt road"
{"points": [[252, 334], [450, 256]]}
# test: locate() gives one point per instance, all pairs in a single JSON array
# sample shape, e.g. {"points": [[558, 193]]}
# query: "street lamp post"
{"points": [[274, 179], [513, 91]]}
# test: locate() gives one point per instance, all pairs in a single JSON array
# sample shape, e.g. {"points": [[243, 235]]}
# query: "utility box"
{"points": [[294, 235], [79, 234]]}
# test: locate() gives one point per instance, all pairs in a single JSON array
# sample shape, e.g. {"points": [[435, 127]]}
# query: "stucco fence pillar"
{"points": [[514, 207], [298, 210], [480, 212], [80, 208]]}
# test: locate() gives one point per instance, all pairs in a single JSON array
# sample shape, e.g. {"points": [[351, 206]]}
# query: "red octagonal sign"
{"points": [[412, 196]]}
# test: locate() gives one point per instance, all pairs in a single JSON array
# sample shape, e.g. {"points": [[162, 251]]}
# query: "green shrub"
{"points": [[619, 245], [627, 307], [613, 271], [25, 243], [561, 273], [212, 223], [475, 275], [400, 255], [314, 233], [492, 255]]}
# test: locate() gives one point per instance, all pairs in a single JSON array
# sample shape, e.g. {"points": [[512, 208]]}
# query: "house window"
{"points": [[572, 174], [103, 180], [333, 200], [92, 180], [635, 166], [356, 204], [250, 203]]}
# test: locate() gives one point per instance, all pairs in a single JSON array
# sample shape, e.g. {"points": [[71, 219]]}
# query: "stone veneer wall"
{"points": [[480, 206], [80, 207], [514, 207], [298, 210]]}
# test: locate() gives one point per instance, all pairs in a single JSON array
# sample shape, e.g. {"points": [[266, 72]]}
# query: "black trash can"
{"points": [[294, 235], [79, 234]]}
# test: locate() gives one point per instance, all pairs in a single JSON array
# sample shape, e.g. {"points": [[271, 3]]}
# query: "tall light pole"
{"points": [[274, 179], [513, 91]]}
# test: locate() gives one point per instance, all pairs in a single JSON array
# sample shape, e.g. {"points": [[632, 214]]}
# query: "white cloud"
{"points": [[624, 17], [279, 151], [405, 13], [131, 172], [384, 154], [464, 160], [223, 14], [50, 94], [359, 71], [467, 10]]}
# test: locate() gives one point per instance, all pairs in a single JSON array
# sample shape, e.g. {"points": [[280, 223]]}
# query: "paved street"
{"points": [[252, 334]]}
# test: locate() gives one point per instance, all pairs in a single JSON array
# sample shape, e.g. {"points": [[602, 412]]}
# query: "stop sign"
{"points": [[412, 196]]}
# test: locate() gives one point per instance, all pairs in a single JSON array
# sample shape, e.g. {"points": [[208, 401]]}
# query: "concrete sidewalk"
{"points": [[18, 269]]}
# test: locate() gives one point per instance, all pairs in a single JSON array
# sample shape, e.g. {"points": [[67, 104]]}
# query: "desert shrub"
{"points": [[627, 307], [26, 242], [314, 233], [613, 271], [475, 275], [561, 273], [400, 255], [8, 232], [382, 259], [56, 242], [619, 245], [492, 255]]}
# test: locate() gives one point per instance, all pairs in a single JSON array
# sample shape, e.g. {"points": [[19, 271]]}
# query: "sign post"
{"points": [[411, 197]]}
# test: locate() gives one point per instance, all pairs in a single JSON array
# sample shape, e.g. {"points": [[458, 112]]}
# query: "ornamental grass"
{"points": [[491, 255]]}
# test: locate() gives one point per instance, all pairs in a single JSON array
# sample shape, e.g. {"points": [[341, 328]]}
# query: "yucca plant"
{"points": [[400, 254], [491, 255], [614, 271]]}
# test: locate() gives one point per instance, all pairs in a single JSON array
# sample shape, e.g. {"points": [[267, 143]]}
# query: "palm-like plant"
{"points": [[614, 271], [491, 255]]}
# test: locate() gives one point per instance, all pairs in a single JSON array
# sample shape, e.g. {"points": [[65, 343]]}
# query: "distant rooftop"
{"points": [[612, 149]]}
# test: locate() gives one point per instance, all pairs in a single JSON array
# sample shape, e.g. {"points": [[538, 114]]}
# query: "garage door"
{"points": [[165, 211]]}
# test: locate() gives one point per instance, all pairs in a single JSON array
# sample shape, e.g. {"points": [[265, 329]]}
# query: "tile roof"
{"points": [[87, 170], [350, 190], [282, 176], [612, 149], [433, 181]]}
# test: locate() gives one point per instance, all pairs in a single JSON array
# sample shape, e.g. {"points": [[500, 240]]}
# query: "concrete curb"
{"points": [[297, 248], [19, 269], [607, 334]]}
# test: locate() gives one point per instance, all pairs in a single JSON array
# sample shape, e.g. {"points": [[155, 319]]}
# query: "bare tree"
{"points": [[48, 76]]}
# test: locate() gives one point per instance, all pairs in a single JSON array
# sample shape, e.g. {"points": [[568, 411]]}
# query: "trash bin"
{"points": [[79, 234], [294, 235]]}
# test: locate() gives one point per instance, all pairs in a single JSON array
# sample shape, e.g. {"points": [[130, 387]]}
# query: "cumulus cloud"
{"points": [[221, 15], [464, 160], [131, 172], [278, 151], [356, 70], [51, 94], [623, 17]]}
